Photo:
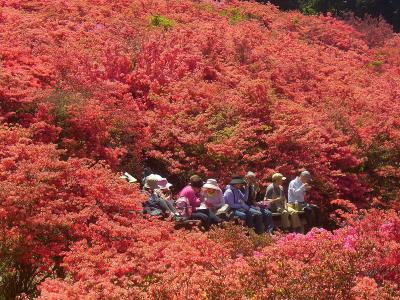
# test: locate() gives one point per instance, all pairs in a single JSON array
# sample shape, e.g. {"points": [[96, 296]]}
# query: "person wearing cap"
{"points": [[235, 198], [192, 192], [276, 199], [296, 194]]}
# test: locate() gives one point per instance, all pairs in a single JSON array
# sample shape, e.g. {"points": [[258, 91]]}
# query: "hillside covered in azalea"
{"points": [[90, 88]]}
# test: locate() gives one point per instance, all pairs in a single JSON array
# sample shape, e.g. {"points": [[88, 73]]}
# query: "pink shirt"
{"points": [[216, 200], [194, 199]]}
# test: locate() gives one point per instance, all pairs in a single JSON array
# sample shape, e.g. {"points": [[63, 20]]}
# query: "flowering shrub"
{"points": [[48, 204], [319, 265], [91, 87]]}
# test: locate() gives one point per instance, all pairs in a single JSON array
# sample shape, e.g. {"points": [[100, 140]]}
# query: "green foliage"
{"points": [[235, 15], [161, 21], [61, 101], [389, 9], [296, 20], [206, 7], [308, 9], [376, 63]]}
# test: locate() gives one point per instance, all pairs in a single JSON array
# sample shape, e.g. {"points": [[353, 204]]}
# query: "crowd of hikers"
{"points": [[241, 199]]}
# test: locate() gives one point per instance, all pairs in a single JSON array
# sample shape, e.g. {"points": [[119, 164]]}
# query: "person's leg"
{"points": [[244, 215], [256, 217], [164, 206], [203, 218], [214, 219], [308, 212], [240, 214], [267, 220], [317, 214], [297, 225], [258, 224], [284, 218]]}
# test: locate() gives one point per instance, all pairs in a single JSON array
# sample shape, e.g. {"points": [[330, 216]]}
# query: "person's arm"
{"points": [[297, 191], [194, 200], [283, 197], [217, 200], [221, 198], [246, 193], [189, 210], [269, 194]]}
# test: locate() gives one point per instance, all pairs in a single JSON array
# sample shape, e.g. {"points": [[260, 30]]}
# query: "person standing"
{"points": [[296, 194]]}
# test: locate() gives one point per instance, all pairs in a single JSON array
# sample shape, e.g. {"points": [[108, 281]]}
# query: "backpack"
{"points": [[182, 207]]}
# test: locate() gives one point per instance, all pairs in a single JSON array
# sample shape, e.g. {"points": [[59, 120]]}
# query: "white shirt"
{"points": [[296, 191]]}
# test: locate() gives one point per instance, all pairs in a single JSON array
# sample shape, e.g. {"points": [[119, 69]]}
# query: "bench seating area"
{"points": [[196, 224]]}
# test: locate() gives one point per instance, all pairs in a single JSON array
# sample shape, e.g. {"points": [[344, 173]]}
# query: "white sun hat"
{"points": [[163, 184], [211, 184], [152, 181]]}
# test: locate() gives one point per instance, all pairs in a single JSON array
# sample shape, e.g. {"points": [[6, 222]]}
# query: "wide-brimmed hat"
{"points": [[237, 180], [152, 181], [164, 184], [211, 184], [277, 176]]}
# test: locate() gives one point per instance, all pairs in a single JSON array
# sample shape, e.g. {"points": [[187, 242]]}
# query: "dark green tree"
{"points": [[389, 9]]}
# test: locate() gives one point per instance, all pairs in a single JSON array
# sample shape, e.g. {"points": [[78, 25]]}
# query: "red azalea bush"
{"points": [[90, 87], [211, 88], [48, 204], [360, 261]]}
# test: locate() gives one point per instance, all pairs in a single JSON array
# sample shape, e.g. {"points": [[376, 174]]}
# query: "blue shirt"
{"points": [[235, 198]]}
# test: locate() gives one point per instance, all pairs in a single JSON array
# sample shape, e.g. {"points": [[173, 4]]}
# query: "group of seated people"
{"points": [[241, 198]]}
